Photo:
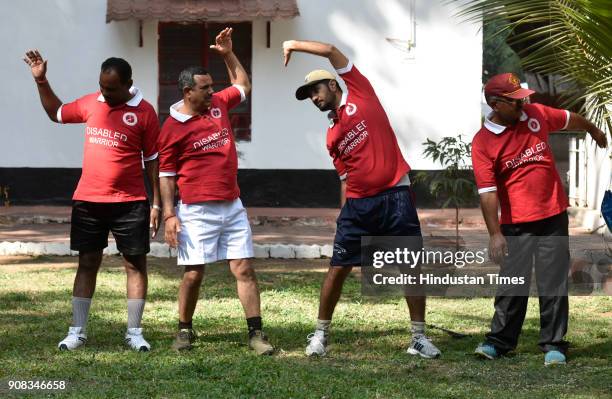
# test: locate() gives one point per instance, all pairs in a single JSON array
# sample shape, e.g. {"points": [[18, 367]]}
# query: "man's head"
{"points": [[322, 88], [115, 81], [506, 97], [196, 85]]}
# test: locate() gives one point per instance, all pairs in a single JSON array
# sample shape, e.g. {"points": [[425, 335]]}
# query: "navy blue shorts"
{"points": [[389, 213]]}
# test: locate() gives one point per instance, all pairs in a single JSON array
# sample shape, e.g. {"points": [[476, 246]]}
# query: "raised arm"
{"points": [[235, 70], [578, 122], [329, 51], [38, 66]]}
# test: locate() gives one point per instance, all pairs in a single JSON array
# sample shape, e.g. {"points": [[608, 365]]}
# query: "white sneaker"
{"points": [[422, 346], [317, 344], [75, 338], [135, 340]]}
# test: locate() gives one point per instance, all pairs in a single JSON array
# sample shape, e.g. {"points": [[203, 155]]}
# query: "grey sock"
{"points": [[323, 325], [417, 327], [80, 311], [135, 309]]}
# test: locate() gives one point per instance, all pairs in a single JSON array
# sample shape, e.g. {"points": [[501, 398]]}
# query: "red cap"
{"points": [[506, 85]]}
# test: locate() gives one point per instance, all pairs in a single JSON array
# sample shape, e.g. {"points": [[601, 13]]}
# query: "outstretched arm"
{"points": [[237, 74], [578, 122], [38, 66], [329, 51]]}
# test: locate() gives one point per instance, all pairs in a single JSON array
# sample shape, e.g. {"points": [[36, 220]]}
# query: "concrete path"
{"points": [[277, 232]]}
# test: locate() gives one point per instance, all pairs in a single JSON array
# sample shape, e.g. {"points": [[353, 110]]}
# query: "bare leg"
{"points": [[246, 284], [189, 291], [136, 270], [87, 272], [331, 290], [416, 306]]}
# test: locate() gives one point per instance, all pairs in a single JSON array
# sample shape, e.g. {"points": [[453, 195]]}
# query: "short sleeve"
{"points": [[74, 112], [168, 151], [150, 135], [340, 168], [232, 96], [484, 171], [557, 119], [357, 84]]}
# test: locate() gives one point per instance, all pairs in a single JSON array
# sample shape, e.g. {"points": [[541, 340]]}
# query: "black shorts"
{"points": [[128, 221], [389, 213]]}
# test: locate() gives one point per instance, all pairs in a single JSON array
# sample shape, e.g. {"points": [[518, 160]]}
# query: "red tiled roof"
{"points": [[200, 10]]}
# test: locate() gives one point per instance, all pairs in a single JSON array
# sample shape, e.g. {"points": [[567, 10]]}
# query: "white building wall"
{"points": [[73, 36], [433, 95], [598, 180]]}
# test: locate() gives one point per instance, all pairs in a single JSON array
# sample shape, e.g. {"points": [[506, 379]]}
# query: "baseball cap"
{"points": [[506, 85], [312, 78]]}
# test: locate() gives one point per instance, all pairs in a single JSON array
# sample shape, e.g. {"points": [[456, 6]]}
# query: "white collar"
{"points": [[134, 101], [333, 114], [343, 99], [499, 129], [179, 116]]}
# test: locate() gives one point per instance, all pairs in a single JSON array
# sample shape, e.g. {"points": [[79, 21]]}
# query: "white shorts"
{"points": [[212, 231]]}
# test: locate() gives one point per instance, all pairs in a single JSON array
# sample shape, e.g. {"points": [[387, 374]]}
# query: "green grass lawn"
{"points": [[367, 358]]}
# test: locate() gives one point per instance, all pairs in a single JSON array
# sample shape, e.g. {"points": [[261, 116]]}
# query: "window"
{"points": [[183, 45]]}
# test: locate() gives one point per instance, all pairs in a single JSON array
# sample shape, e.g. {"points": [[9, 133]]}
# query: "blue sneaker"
{"points": [[554, 357], [487, 351]]}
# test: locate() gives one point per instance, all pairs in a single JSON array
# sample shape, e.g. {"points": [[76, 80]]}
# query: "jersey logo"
{"points": [[130, 119], [215, 113], [350, 109], [533, 125]]}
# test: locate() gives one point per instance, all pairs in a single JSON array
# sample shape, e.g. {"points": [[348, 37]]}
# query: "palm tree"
{"points": [[567, 38]]}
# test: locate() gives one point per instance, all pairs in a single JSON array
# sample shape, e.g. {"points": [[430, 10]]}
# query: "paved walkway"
{"points": [[276, 231], [270, 225]]}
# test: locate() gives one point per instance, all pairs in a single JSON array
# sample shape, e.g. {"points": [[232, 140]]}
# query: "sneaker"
{"points": [[135, 340], [75, 338], [184, 339], [422, 346], [487, 351], [317, 344], [554, 357], [259, 343]]}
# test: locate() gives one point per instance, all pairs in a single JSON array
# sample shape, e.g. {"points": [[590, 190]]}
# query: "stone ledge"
{"points": [[162, 250]]}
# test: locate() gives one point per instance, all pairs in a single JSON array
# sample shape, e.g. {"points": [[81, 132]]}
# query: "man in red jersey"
{"points": [[375, 186], [198, 154], [514, 168], [121, 130]]}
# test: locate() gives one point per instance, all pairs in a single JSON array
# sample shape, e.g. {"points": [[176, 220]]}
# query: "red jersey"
{"points": [[116, 140], [361, 141], [200, 150], [517, 162]]}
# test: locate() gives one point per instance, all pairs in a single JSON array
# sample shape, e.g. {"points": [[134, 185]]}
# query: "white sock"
{"points": [[135, 310], [417, 327], [80, 311]]}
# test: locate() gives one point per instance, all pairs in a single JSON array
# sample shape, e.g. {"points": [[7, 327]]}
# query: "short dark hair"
{"points": [[186, 76], [119, 65]]}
